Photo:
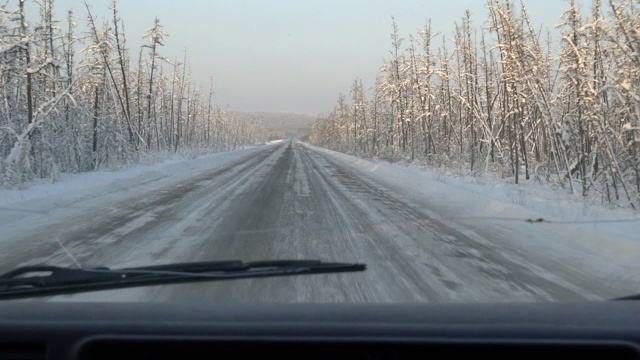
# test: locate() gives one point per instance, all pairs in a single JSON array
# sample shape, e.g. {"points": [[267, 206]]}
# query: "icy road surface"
{"points": [[422, 241]]}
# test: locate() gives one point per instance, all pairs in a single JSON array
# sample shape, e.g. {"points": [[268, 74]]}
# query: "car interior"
{"points": [[68, 330]]}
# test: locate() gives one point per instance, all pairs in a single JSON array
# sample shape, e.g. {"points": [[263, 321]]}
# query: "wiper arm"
{"points": [[30, 281]]}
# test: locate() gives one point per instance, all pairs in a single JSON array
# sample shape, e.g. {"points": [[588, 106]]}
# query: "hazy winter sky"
{"points": [[289, 55]]}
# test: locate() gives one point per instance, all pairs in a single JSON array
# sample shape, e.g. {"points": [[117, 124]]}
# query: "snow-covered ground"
{"points": [[44, 197], [538, 200], [500, 199], [570, 223], [424, 235]]}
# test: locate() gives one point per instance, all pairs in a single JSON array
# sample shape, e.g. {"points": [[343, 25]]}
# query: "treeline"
{"points": [[506, 97], [68, 110]]}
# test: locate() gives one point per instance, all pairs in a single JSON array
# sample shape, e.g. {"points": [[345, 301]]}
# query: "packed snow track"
{"points": [[293, 201]]}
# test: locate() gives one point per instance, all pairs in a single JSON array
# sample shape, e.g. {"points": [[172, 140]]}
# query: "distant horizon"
{"points": [[269, 112]]}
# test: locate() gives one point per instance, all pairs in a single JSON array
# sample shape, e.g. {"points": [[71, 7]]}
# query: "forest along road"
{"points": [[295, 201]]}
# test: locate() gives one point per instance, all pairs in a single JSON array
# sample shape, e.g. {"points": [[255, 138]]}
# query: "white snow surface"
{"points": [[571, 224], [470, 198], [487, 209], [45, 197]]}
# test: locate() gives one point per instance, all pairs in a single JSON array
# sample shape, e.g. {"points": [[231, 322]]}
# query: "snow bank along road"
{"points": [[293, 200]]}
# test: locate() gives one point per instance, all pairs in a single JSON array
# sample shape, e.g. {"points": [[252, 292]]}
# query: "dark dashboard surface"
{"points": [[42, 330]]}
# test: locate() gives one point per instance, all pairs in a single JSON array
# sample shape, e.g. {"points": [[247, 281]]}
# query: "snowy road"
{"points": [[295, 201]]}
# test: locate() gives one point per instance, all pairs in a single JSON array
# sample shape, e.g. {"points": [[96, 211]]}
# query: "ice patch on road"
{"points": [[300, 181]]}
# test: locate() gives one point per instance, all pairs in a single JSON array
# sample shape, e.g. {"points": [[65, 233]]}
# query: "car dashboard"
{"points": [[45, 330]]}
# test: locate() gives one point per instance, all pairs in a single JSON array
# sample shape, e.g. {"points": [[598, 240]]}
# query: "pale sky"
{"points": [[289, 55]]}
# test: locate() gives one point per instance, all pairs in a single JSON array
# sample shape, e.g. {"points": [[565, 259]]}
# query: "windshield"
{"points": [[464, 151]]}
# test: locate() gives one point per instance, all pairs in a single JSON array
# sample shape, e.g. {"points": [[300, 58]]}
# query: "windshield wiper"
{"points": [[43, 280], [629, 297]]}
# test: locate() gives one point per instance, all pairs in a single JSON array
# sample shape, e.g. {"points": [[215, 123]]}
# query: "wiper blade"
{"points": [[43, 280], [629, 297]]}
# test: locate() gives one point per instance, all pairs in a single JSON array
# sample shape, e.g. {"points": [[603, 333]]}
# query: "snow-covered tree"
{"points": [[510, 97], [77, 103]]}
